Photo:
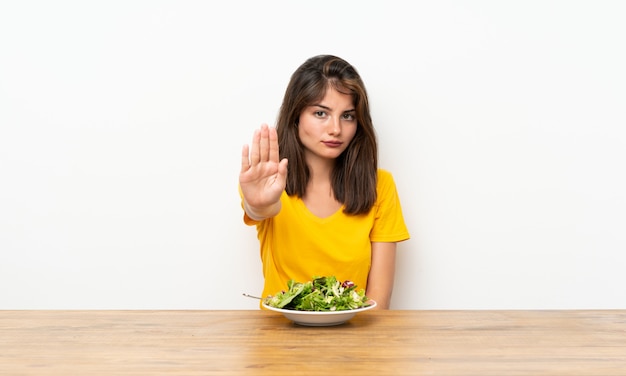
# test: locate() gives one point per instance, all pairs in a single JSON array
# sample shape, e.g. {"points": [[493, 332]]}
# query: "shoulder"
{"points": [[384, 174], [384, 177], [385, 184]]}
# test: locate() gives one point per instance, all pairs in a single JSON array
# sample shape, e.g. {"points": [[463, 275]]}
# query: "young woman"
{"points": [[313, 189]]}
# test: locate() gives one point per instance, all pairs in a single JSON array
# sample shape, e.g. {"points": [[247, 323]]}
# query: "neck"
{"points": [[320, 170]]}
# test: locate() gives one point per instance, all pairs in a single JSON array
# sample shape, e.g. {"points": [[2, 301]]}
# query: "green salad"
{"points": [[319, 294]]}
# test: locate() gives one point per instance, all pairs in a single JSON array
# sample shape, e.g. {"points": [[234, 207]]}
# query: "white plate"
{"points": [[319, 318]]}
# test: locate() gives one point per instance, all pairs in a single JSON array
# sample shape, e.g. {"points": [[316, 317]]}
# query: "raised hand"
{"points": [[263, 177]]}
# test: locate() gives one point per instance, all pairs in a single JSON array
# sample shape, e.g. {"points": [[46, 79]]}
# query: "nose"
{"points": [[334, 127]]}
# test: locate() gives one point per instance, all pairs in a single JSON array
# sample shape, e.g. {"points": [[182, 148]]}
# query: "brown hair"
{"points": [[355, 171]]}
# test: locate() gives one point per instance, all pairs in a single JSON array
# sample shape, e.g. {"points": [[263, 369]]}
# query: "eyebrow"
{"points": [[329, 109]]}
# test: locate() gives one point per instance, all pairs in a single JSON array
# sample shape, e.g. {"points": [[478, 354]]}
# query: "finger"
{"points": [[273, 145], [282, 168], [281, 178], [254, 149], [245, 158], [264, 144]]}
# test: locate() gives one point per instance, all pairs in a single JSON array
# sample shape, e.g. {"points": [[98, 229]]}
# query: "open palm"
{"points": [[263, 177]]}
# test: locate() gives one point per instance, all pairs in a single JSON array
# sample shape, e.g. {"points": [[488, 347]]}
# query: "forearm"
{"points": [[382, 273], [261, 213], [382, 297]]}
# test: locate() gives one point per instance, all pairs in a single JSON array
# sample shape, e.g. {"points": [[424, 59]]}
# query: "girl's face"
{"points": [[327, 127]]}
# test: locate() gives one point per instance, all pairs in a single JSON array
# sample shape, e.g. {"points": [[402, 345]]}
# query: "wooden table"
{"points": [[265, 343]]}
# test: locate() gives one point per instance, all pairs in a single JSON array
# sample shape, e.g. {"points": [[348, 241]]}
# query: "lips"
{"points": [[332, 144]]}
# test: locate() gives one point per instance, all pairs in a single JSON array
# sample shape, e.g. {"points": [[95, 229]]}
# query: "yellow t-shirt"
{"points": [[296, 244]]}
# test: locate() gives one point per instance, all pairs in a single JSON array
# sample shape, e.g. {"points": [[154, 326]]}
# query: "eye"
{"points": [[320, 113], [348, 116]]}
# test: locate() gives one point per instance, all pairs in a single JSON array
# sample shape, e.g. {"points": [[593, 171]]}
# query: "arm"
{"points": [[262, 177], [382, 273]]}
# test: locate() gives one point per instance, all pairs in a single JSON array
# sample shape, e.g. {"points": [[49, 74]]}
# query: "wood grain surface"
{"points": [[265, 343]]}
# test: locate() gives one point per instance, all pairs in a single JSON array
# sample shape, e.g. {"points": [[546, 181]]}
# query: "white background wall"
{"points": [[121, 124]]}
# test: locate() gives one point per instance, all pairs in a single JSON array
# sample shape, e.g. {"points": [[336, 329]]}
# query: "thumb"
{"points": [[282, 169]]}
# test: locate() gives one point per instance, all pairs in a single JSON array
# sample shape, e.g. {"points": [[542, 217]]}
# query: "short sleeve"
{"points": [[389, 225]]}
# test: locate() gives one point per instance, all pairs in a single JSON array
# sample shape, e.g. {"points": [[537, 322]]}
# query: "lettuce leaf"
{"points": [[319, 294]]}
